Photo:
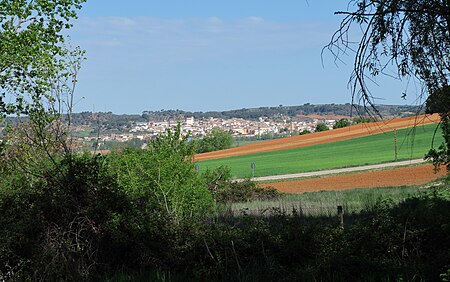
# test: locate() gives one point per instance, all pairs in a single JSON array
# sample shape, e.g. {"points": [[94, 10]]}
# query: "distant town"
{"points": [[106, 130], [238, 127]]}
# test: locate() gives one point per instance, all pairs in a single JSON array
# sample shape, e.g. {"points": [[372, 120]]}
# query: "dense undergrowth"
{"points": [[407, 241], [147, 215]]}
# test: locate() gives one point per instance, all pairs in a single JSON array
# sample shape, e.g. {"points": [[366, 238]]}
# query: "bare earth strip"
{"points": [[346, 133], [336, 171], [404, 176]]}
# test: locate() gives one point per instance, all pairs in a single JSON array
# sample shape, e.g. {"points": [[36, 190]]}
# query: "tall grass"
{"points": [[324, 203], [379, 148]]}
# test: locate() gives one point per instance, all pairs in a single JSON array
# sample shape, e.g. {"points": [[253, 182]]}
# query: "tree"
{"points": [[404, 39], [363, 119], [304, 131], [164, 175], [32, 51], [321, 127], [343, 122], [217, 139], [38, 71]]}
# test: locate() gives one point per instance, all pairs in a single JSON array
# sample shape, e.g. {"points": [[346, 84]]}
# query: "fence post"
{"points": [[340, 211], [395, 145]]}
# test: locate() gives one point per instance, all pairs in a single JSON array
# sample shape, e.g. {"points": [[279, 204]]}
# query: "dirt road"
{"points": [[337, 171]]}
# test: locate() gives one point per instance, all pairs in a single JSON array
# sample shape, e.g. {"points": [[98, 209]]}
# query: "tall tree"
{"points": [[409, 37], [217, 139], [33, 51], [38, 70]]}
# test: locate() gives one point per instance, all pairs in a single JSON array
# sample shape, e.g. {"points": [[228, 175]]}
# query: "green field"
{"points": [[412, 143]]}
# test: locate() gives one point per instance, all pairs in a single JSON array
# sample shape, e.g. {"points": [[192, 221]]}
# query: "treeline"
{"points": [[111, 121], [290, 111], [105, 118]]}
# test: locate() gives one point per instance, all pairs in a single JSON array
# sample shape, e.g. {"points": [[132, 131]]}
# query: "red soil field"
{"points": [[403, 176], [350, 132]]}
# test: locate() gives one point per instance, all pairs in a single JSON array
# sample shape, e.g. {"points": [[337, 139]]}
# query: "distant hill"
{"points": [[111, 120], [386, 111]]}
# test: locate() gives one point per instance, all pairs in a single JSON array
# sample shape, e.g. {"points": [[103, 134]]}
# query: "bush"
{"points": [[52, 224], [225, 190]]}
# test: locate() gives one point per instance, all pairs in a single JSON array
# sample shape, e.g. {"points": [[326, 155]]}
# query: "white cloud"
{"points": [[254, 20]]}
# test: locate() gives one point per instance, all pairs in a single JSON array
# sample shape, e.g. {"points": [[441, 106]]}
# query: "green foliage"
{"points": [[225, 190], [390, 242], [321, 127], [33, 52], [445, 276], [439, 102], [53, 219], [343, 122], [164, 174], [217, 139], [441, 155], [78, 223], [362, 119], [304, 131]]}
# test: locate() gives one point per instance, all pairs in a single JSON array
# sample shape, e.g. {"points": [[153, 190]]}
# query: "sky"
{"points": [[212, 55]]}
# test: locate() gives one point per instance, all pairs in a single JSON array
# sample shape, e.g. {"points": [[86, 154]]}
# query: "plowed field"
{"points": [[414, 175], [350, 132]]}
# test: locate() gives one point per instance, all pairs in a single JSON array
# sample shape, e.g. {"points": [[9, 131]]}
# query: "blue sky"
{"points": [[202, 55]]}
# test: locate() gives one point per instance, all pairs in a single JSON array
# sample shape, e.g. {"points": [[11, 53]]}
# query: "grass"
{"points": [[411, 143], [324, 203]]}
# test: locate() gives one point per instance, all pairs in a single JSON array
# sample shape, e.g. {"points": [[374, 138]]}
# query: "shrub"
{"points": [[52, 220], [225, 190]]}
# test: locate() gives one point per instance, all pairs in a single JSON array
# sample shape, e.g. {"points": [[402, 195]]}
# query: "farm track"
{"points": [[336, 171], [403, 176], [346, 133]]}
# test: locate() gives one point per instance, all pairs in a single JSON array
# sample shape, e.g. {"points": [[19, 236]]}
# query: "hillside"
{"points": [[346, 133], [386, 111]]}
